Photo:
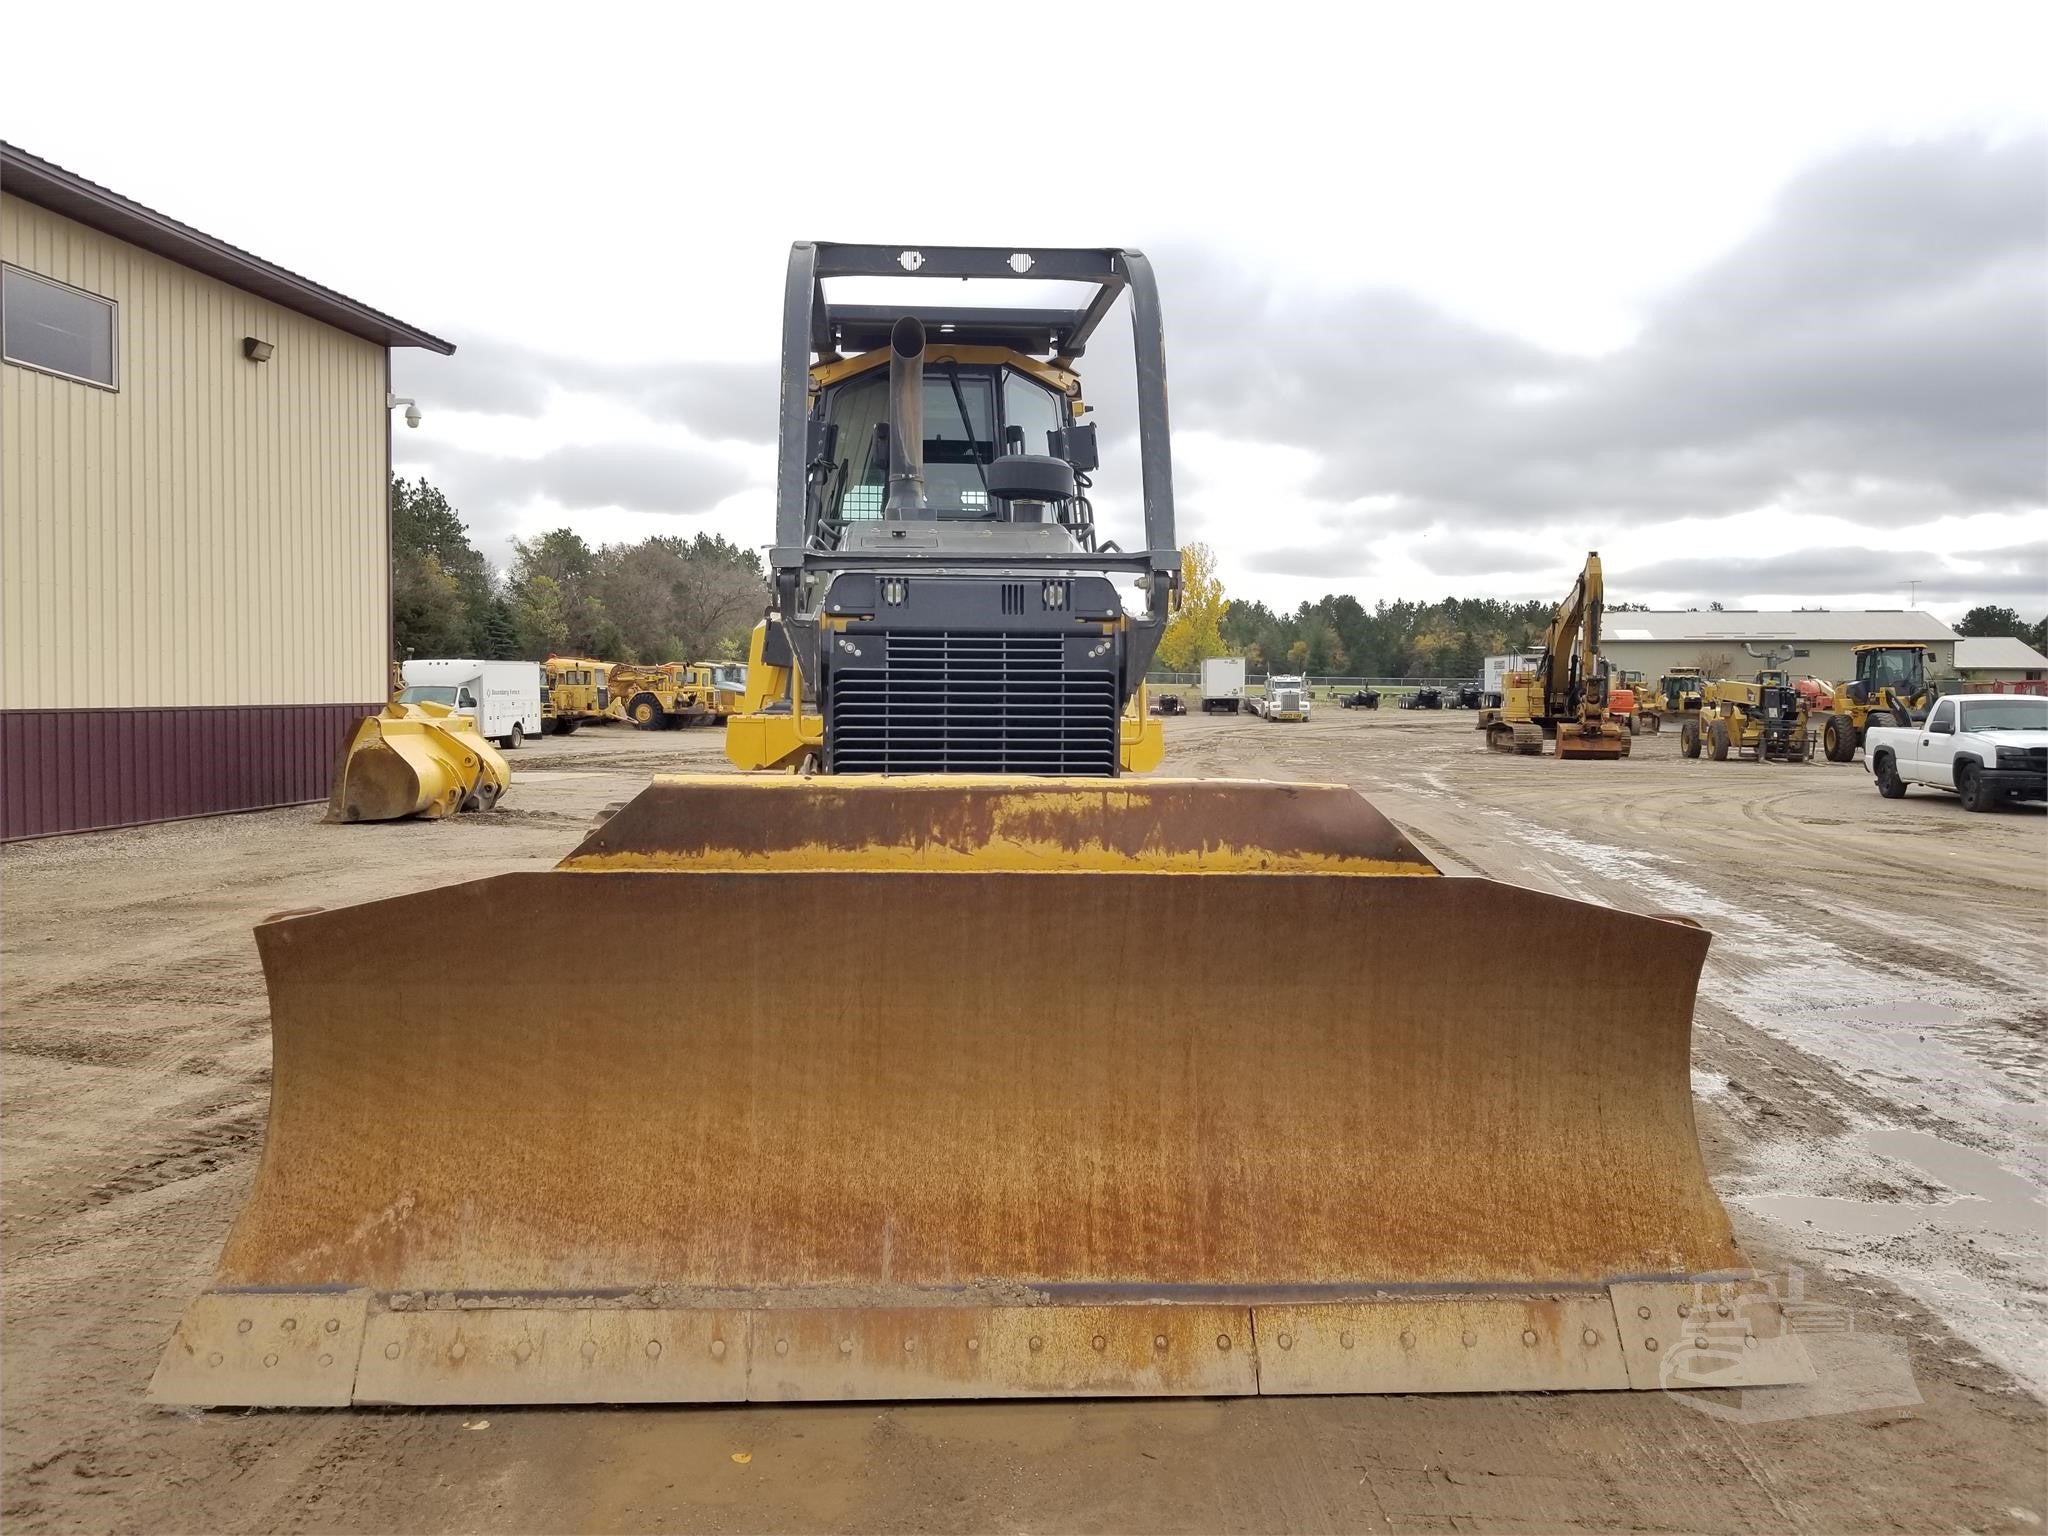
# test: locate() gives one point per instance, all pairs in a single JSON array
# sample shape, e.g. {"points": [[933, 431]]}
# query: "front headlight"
{"points": [[2012, 757]]}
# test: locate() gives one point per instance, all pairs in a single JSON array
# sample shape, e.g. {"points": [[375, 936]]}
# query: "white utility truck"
{"points": [[1222, 685], [502, 697], [1984, 748]]}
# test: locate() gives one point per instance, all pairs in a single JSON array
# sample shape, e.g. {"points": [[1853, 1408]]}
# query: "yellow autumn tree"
{"points": [[1195, 633]]}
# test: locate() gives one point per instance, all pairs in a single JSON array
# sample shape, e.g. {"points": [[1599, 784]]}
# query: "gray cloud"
{"points": [[1878, 345], [718, 400], [1453, 556], [639, 477], [1341, 560], [2017, 574]]}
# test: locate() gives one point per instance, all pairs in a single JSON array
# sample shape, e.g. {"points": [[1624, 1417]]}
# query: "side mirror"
{"points": [[1941, 728], [1076, 444]]}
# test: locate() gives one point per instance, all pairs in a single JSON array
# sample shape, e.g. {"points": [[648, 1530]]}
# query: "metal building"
{"points": [[195, 571], [1727, 643], [2001, 660]]}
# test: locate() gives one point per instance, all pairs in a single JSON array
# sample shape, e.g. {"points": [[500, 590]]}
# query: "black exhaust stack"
{"points": [[906, 497]]}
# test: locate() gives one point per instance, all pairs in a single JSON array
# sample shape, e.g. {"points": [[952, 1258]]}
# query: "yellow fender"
{"points": [[420, 760]]}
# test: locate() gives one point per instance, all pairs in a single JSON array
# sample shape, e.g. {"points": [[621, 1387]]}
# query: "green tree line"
{"points": [[1338, 636], [664, 598], [1989, 621]]}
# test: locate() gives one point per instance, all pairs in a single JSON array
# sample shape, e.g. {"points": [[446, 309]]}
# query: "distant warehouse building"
{"points": [[194, 460], [1730, 643], [2004, 660]]}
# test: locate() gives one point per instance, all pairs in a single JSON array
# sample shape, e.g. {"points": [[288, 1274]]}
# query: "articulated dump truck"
{"points": [[938, 1125]]}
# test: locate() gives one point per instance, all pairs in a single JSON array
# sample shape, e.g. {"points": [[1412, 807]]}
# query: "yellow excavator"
{"points": [[1565, 694], [930, 1129]]}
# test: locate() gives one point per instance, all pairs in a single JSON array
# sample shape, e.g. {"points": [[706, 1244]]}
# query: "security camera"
{"points": [[412, 410], [412, 415]]}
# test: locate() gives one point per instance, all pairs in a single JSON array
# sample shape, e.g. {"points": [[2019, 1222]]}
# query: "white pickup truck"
{"points": [[1984, 748]]}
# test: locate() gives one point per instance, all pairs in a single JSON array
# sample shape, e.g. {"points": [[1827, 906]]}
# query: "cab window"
{"points": [[1943, 720], [967, 414], [1034, 409]]}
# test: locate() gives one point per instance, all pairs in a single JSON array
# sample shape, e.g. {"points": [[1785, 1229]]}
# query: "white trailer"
{"points": [[1223, 685], [502, 697]]}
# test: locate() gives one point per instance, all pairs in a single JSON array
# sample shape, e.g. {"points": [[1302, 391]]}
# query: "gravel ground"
{"points": [[1868, 1062]]}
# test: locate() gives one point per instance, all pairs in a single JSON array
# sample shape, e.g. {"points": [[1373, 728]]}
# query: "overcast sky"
{"points": [[1754, 300]]}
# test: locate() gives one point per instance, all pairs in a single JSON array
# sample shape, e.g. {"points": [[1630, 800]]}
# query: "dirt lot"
{"points": [[1868, 1061]]}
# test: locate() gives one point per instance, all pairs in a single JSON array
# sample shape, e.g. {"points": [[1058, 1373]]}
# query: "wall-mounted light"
{"points": [[257, 351]]}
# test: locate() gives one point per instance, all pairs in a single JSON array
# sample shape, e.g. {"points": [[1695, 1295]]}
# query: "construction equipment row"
{"points": [[1775, 717], [928, 1129], [581, 691]]}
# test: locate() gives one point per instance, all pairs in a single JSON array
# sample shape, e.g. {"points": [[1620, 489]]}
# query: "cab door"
{"points": [[1934, 740]]}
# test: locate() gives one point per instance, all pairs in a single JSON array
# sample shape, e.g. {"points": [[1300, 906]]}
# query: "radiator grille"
{"points": [[971, 703]]}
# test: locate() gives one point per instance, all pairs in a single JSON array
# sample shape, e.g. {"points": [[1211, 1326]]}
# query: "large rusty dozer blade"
{"points": [[973, 1123], [421, 760]]}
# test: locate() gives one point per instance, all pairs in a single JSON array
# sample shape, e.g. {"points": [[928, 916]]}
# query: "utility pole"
{"points": [[1912, 594]]}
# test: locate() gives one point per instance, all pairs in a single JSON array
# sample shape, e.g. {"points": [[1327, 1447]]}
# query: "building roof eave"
{"points": [[48, 185]]}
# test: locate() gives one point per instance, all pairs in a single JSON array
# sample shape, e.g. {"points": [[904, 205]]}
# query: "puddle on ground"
{"points": [[1987, 1197]]}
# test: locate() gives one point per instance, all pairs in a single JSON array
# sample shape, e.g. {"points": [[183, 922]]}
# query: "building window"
{"points": [[56, 328]]}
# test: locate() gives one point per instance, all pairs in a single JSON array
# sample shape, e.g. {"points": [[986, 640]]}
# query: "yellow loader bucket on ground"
{"points": [[990, 1095], [420, 760]]}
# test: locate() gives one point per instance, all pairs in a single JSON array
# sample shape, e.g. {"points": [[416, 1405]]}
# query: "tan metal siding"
{"points": [[213, 532], [1832, 660]]}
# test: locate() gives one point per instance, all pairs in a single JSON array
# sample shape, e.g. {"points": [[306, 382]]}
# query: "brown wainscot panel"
{"points": [[76, 770]]}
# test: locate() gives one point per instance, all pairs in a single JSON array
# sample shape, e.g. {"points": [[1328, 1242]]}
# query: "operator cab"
{"points": [[1901, 668], [973, 413]]}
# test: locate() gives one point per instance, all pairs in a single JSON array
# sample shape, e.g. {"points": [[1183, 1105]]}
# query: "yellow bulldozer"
{"points": [[1564, 696], [1891, 687], [1682, 690], [927, 1130]]}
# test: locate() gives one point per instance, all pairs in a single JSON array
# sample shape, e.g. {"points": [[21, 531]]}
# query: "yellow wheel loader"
{"points": [[424, 760], [1891, 687], [1564, 696], [930, 1130]]}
